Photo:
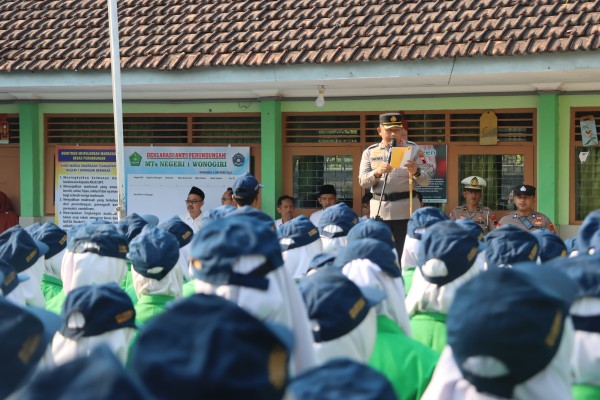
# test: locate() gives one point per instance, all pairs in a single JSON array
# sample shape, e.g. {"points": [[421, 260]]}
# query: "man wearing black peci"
{"points": [[393, 206]]}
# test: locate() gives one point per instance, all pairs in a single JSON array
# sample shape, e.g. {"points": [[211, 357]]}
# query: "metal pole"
{"points": [[410, 197], [115, 66]]}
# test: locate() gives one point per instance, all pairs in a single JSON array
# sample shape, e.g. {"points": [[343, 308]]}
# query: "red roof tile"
{"points": [[185, 34]]}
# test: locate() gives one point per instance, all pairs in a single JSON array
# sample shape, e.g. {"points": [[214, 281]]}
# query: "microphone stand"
{"points": [[377, 217]]}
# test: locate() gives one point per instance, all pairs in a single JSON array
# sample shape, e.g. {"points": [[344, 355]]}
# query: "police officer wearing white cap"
{"points": [[524, 217], [472, 192]]}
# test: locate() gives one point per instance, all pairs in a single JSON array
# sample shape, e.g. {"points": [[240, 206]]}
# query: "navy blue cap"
{"points": [[209, 347], [131, 226], [252, 212], [373, 250], [321, 260], [340, 215], [372, 229], [422, 219], [153, 253], [508, 245], [335, 304], [297, 232], [100, 376], [221, 242], [472, 227], [9, 279], [246, 186], [218, 212], [341, 378], [151, 219], [176, 227], [33, 228], [451, 244], [53, 236], [102, 239], [510, 320], [24, 336], [589, 226], [551, 245], [524, 190], [19, 249], [104, 308]]}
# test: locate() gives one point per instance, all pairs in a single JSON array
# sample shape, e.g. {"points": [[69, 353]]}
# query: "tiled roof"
{"points": [[40, 35]]}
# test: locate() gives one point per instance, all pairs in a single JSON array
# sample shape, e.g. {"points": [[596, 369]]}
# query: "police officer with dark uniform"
{"points": [[524, 217], [472, 192], [375, 169]]}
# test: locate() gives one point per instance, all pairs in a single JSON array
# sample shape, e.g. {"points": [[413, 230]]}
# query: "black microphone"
{"points": [[390, 155]]}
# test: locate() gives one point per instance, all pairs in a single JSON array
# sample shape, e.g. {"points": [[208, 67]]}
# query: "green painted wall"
{"points": [[547, 150], [31, 155], [270, 154]]}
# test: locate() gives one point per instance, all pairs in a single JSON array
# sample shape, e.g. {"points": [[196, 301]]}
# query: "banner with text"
{"points": [[85, 186], [160, 178], [433, 160]]}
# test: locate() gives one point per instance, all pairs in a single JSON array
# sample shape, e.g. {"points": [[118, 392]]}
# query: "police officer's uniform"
{"points": [[395, 201], [483, 215], [531, 222]]}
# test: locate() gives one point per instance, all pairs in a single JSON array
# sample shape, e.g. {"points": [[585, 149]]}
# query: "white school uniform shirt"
{"points": [[316, 217]]}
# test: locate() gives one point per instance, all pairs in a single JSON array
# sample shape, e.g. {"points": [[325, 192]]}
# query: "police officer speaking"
{"points": [[393, 205], [472, 192]]}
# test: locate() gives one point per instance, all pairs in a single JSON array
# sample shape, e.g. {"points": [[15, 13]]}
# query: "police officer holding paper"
{"points": [[393, 205]]}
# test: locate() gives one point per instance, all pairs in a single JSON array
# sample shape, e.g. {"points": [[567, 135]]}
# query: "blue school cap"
{"points": [[100, 376], [550, 244], [422, 219], [53, 236], [341, 378], [335, 304], [372, 229], [508, 245], [373, 250], [25, 333], [505, 325], [102, 239], [339, 215], [96, 309], [19, 249], [182, 231], [131, 226], [297, 232], [207, 346], [153, 253], [450, 244], [222, 242]]}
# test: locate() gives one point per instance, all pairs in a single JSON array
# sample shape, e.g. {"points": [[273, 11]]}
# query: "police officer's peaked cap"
{"points": [[474, 182], [524, 190], [392, 120]]}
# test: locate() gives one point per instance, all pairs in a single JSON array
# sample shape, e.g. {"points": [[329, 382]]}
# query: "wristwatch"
{"points": [[418, 173]]}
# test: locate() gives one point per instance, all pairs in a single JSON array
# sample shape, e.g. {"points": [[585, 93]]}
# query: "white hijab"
{"points": [[585, 361], [409, 259], [80, 269], [429, 297], [553, 382], [330, 245], [52, 264], [65, 349], [365, 273], [170, 285], [31, 289], [281, 303], [357, 344], [296, 260]]}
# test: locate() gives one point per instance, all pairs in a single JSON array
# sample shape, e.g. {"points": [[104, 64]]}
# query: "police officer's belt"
{"points": [[392, 196]]}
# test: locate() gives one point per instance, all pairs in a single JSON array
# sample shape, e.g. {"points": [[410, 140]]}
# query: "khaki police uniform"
{"points": [[531, 222], [395, 202], [482, 215]]}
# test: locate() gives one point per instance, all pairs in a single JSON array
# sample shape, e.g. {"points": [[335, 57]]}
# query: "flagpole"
{"points": [[115, 66]]}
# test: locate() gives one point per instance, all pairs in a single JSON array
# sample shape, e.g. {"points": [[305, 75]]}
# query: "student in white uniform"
{"points": [[300, 242], [334, 225]]}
